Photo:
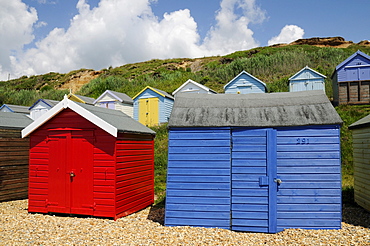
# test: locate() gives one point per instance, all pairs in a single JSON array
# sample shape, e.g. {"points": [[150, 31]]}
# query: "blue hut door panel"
{"points": [[352, 73], [254, 181]]}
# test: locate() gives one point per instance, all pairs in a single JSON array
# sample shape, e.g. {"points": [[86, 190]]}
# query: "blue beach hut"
{"points": [[256, 162], [307, 79], [351, 80], [245, 83]]}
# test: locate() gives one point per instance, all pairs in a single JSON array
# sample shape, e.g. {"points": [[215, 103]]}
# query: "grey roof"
{"points": [[164, 93], [88, 100], [17, 108], [253, 110], [14, 120], [118, 119], [364, 122], [122, 97], [49, 102], [52, 103]]}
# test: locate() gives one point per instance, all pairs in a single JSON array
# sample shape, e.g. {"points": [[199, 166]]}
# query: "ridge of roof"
{"points": [[112, 121], [248, 74]]}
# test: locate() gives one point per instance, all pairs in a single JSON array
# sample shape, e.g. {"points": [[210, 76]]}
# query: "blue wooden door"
{"points": [[253, 179]]}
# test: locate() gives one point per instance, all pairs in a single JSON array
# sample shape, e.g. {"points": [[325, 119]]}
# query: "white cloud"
{"points": [[16, 21], [231, 32], [126, 31], [40, 24], [288, 34]]}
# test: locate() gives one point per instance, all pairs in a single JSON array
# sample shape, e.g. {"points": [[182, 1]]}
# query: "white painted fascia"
{"points": [[66, 103]]}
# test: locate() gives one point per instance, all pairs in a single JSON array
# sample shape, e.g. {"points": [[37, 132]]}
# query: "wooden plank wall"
{"points": [[134, 173], [13, 165], [308, 163], [354, 92], [198, 177], [361, 160]]}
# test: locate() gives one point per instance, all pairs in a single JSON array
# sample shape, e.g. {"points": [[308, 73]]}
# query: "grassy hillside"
{"points": [[272, 65]]}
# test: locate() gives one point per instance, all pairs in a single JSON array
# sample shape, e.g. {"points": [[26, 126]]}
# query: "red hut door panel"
{"points": [[71, 172]]}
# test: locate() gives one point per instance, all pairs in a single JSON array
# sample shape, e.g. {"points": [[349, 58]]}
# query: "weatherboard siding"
{"points": [[13, 165], [198, 178], [357, 68], [307, 84], [351, 80], [361, 161], [166, 112], [224, 177], [103, 158], [245, 84], [125, 108], [253, 207], [122, 168], [135, 173], [164, 105], [308, 163]]}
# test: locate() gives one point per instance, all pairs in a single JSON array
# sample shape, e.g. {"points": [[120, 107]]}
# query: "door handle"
{"points": [[278, 181], [72, 174]]}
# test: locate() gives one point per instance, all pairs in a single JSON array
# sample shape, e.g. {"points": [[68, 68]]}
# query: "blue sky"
{"points": [[60, 36]]}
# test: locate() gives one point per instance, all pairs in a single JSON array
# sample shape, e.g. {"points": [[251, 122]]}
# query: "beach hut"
{"points": [[40, 107], [245, 83], [361, 161], [351, 80], [116, 100], [89, 160], [307, 79], [81, 99], [13, 156], [14, 109], [152, 106], [191, 86], [255, 162]]}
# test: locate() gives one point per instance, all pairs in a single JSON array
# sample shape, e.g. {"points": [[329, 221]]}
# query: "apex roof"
{"points": [[189, 81], [248, 74], [360, 53], [16, 108], [160, 92], [363, 122], [81, 99], [112, 121], [307, 68], [50, 103], [119, 96]]}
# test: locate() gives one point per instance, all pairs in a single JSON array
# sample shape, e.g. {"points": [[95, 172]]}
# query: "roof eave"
{"points": [[66, 103]]}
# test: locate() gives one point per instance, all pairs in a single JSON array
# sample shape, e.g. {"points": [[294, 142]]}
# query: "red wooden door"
{"points": [[71, 172]]}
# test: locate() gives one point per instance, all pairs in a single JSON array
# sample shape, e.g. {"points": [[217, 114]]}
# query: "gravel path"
{"points": [[18, 227]]}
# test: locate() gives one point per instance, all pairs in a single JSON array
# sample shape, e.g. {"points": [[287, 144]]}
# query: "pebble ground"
{"points": [[18, 227]]}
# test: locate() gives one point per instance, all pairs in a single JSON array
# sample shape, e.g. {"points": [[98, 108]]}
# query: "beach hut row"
{"points": [[258, 162], [109, 99]]}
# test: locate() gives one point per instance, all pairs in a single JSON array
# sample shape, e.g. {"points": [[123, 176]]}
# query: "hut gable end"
{"points": [[245, 83], [191, 86]]}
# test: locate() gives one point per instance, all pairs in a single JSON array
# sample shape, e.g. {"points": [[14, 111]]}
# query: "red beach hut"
{"points": [[90, 161]]}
